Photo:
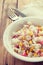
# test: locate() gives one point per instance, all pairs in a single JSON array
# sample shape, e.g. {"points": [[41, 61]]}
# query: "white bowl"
{"points": [[14, 27]]}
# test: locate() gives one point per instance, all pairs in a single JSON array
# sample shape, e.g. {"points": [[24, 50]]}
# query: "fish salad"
{"points": [[28, 41]]}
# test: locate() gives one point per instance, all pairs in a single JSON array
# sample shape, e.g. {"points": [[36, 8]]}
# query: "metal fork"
{"points": [[14, 14]]}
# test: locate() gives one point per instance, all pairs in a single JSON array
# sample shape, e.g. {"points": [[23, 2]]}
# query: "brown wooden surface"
{"points": [[5, 57]]}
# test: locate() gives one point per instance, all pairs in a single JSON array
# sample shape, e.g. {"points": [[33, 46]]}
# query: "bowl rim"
{"points": [[27, 59]]}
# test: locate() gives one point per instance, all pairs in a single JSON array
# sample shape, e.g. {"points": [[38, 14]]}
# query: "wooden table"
{"points": [[5, 57]]}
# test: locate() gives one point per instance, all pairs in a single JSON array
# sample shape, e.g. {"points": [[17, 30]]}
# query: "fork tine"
{"points": [[11, 14]]}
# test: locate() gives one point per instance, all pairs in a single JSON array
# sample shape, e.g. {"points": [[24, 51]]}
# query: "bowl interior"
{"points": [[13, 27]]}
